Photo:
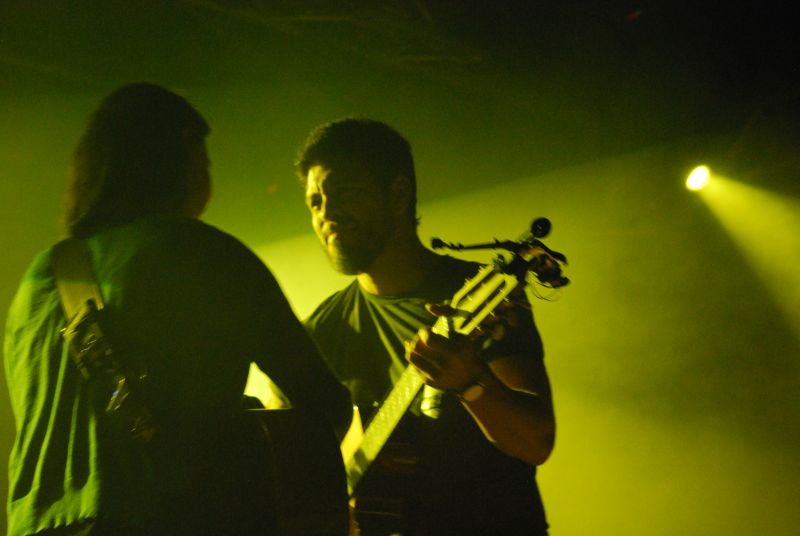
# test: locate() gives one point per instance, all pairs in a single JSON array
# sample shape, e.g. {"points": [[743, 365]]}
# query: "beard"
{"points": [[353, 259], [356, 249]]}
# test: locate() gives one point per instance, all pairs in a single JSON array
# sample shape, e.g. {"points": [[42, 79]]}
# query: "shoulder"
{"points": [[160, 227], [37, 281], [180, 240], [448, 274], [40, 267], [333, 308], [198, 234], [175, 256], [455, 266]]}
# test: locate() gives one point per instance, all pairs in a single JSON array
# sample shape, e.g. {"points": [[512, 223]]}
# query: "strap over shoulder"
{"points": [[88, 343], [72, 266]]}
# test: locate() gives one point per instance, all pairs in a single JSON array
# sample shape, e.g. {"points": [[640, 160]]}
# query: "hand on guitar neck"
{"points": [[447, 363]]}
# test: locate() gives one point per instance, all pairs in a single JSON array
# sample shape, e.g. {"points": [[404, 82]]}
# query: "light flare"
{"points": [[698, 178]]}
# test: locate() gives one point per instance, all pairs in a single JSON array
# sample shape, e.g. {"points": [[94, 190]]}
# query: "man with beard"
{"points": [[478, 456]]}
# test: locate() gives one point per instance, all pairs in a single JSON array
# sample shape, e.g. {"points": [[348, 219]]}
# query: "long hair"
{"points": [[132, 159]]}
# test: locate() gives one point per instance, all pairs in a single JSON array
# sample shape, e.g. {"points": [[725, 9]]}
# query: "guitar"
{"points": [[476, 301], [311, 493]]}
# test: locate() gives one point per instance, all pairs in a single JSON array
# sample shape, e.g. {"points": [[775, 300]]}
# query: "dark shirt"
{"points": [[192, 307], [463, 485]]}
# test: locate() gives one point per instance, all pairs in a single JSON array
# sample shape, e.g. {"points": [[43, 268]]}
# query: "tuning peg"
{"points": [[540, 227]]}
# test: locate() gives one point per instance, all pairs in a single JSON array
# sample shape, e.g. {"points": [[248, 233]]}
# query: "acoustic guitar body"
{"points": [[309, 471]]}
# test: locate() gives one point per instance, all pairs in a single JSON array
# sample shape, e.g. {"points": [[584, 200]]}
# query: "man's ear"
{"points": [[401, 192]]}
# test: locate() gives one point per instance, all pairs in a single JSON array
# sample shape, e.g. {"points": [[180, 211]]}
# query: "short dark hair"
{"points": [[381, 149], [132, 159]]}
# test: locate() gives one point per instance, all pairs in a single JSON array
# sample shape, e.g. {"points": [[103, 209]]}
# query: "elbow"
{"points": [[540, 455], [534, 452]]}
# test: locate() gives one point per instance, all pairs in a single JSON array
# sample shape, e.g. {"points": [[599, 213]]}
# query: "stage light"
{"points": [[698, 178], [764, 224]]}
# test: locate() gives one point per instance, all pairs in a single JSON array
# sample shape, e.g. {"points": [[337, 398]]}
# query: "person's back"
{"points": [[187, 308], [181, 320]]}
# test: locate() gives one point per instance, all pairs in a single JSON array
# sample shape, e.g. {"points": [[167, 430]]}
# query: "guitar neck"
{"points": [[382, 425]]}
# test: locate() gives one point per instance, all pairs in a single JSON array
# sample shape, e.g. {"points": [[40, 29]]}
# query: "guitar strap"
{"points": [[74, 276], [86, 337]]}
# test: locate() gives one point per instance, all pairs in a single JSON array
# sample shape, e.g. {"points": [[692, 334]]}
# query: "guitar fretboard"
{"points": [[382, 425]]}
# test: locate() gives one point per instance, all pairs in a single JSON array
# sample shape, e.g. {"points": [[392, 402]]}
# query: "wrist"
{"points": [[474, 389]]}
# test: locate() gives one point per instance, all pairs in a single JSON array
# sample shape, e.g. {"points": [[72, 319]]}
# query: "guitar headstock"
{"points": [[537, 259], [529, 255], [480, 297], [491, 288]]}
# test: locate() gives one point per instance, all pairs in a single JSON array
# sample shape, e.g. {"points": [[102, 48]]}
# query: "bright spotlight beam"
{"points": [[698, 178], [770, 242]]}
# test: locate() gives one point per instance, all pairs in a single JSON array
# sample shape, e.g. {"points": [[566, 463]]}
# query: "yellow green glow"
{"points": [[698, 178], [766, 228], [638, 474]]}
